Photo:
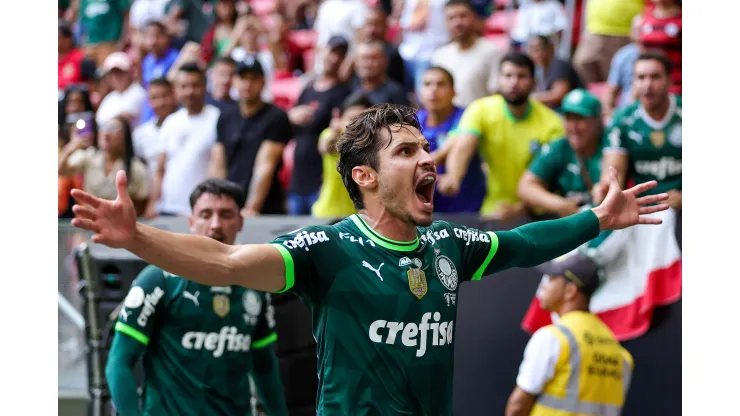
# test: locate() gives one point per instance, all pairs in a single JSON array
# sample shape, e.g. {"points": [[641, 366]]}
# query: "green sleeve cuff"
{"points": [[491, 252], [289, 267], [132, 332], [262, 343]]}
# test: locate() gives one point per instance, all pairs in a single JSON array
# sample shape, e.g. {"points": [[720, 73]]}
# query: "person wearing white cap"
{"points": [[126, 97]]}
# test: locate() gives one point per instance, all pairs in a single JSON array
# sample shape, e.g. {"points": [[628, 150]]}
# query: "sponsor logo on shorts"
{"points": [[227, 339], [305, 240], [412, 334]]}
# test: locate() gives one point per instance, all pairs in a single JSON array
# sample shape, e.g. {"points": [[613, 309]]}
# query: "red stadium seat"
{"points": [[286, 172], [305, 39], [501, 21], [285, 92], [502, 42], [308, 57]]}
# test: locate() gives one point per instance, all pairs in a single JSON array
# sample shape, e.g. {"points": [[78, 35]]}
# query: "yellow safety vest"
{"points": [[592, 374]]}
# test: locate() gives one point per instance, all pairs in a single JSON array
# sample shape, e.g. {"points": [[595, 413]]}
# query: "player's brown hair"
{"points": [[362, 140]]}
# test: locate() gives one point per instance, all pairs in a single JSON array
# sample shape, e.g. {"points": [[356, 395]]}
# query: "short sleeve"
{"points": [[299, 251], [477, 248], [471, 121], [540, 358], [548, 162], [280, 130], [358, 17], [616, 137], [138, 187], [265, 332], [143, 304]]}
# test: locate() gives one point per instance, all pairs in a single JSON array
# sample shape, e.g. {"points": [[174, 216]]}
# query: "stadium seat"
{"points": [[597, 89], [286, 171], [308, 59], [285, 92], [501, 41], [305, 39], [501, 21]]}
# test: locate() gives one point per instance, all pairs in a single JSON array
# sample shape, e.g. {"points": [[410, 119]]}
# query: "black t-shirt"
{"points": [[307, 160], [389, 92], [396, 71], [242, 137], [560, 69], [224, 106]]}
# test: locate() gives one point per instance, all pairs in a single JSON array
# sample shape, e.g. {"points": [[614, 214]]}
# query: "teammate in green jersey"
{"points": [[644, 141], [560, 178], [199, 343], [382, 284]]}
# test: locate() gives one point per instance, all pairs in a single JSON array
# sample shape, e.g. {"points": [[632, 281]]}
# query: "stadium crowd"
{"points": [[176, 91]]}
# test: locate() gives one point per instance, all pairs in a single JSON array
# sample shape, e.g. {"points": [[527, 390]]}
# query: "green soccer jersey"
{"points": [[103, 19], [198, 341], [384, 311], [653, 147], [559, 168]]}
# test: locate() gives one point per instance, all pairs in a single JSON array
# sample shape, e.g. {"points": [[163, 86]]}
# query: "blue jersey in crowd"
{"points": [[473, 186]]}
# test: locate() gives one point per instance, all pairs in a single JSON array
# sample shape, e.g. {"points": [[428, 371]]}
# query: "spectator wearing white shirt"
{"points": [[249, 31], [187, 136], [147, 145], [126, 97], [424, 30], [539, 17], [337, 18], [472, 60]]}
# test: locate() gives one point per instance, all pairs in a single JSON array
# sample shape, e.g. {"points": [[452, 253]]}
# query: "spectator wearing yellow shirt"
{"points": [[507, 129], [334, 200], [608, 27]]}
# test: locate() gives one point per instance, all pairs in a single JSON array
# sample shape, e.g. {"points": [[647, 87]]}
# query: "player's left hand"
{"points": [[622, 209]]}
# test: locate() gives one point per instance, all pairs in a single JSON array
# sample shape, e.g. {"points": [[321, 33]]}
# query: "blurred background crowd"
{"points": [[257, 91]]}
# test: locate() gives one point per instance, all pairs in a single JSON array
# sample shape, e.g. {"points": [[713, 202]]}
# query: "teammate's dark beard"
{"points": [[516, 100]]}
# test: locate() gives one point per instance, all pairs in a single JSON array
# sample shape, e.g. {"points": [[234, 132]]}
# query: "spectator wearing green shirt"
{"points": [[559, 179], [104, 22]]}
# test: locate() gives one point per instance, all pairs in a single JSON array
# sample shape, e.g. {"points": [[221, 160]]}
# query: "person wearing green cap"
{"points": [[560, 178]]}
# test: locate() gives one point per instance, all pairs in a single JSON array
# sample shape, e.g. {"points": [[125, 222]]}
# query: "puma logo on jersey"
{"points": [[191, 296], [412, 334], [377, 271]]}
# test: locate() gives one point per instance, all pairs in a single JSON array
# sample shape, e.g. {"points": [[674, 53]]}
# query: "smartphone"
{"points": [[82, 123]]}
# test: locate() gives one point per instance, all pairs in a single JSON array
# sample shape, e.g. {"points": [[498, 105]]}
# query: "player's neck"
{"points": [[388, 225]]}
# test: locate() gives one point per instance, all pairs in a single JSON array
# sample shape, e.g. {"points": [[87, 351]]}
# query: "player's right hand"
{"points": [[112, 222]]}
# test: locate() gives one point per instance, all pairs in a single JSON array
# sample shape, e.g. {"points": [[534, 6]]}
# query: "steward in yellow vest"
{"points": [[575, 367]]}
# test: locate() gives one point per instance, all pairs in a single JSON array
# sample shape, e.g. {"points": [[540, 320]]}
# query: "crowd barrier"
{"points": [[489, 338]]}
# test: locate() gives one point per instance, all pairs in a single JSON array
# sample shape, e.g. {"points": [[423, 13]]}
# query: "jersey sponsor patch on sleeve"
{"points": [[146, 302], [304, 240]]}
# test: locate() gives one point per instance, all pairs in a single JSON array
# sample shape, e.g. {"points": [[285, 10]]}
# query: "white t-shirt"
{"points": [[339, 17], [540, 357], [147, 144], [145, 11], [474, 70], [421, 45], [539, 18], [130, 102], [268, 65], [188, 140]]}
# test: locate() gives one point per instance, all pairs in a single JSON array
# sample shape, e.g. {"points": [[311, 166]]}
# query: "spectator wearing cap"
{"points": [[105, 23], [471, 59], [310, 117], [126, 97], [560, 360], [147, 144], [246, 45], [250, 143], [554, 77], [70, 58], [560, 178], [186, 137], [158, 61], [372, 79]]}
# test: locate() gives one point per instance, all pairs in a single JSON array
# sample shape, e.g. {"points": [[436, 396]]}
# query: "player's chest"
{"points": [[208, 307]]}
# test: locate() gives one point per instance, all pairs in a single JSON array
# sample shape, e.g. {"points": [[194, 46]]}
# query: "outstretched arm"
{"points": [[201, 259]]}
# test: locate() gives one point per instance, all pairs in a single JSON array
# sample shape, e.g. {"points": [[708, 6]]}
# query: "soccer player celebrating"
{"points": [[199, 342], [382, 284]]}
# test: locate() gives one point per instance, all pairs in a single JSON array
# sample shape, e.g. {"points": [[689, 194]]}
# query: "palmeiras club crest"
{"points": [[446, 272]]}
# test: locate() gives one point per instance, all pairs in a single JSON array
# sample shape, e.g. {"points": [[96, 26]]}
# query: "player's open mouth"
{"points": [[425, 189]]}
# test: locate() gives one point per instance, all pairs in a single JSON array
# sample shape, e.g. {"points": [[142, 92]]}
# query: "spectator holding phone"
{"points": [[99, 166]]}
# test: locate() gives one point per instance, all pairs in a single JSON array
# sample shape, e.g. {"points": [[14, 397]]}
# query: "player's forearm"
{"points": [[119, 374], [267, 379], [536, 243]]}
